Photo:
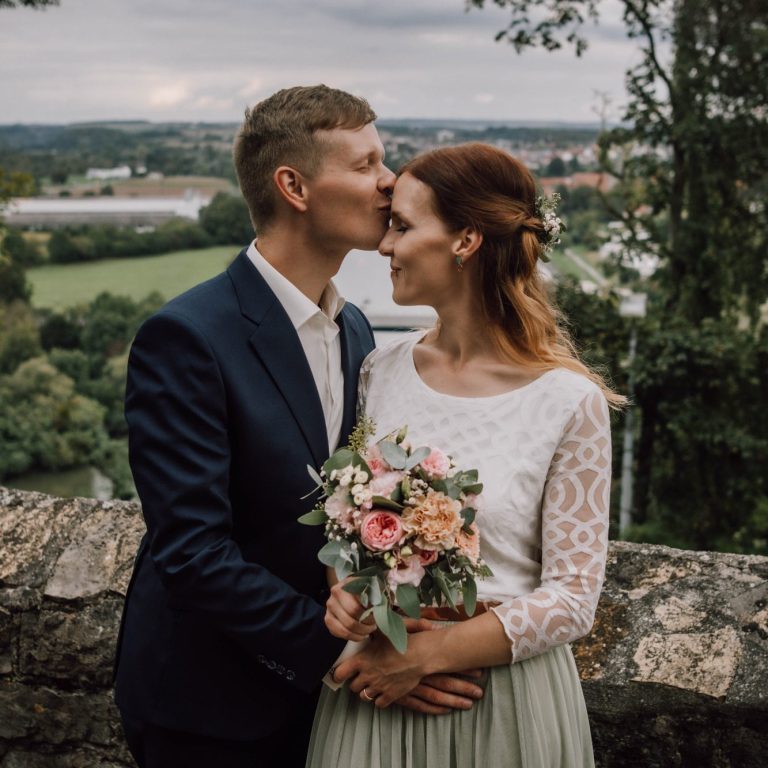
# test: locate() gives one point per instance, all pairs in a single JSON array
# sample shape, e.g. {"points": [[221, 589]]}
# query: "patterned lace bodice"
{"points": [[543, 452]]}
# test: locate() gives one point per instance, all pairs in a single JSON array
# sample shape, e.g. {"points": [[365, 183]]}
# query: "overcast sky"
{"points": [[195, 60]]}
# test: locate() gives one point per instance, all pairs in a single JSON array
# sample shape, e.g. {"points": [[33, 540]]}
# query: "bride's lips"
{"points": [[393, 270]]}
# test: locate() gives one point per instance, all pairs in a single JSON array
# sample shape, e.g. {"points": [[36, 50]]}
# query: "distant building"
{"points": [[602, 181], [105, 174], [38, 212]]}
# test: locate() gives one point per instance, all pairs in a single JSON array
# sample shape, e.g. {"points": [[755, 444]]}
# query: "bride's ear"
{"points": [[291, 187], [467, 243]]}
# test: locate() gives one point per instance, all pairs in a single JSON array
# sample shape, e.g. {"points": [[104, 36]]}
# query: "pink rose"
{"points": [[375, 461], [384, 484], [408, 571], [381, 530], [436, 465], [426, 556]]}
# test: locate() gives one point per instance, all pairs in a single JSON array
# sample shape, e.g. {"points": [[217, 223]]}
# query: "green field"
{"points": [[64, 285]]}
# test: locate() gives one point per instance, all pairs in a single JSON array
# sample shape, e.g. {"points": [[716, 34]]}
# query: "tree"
{"points": [[44, 423], [19, 337], [692, 160], [226, 220], [556, 167]]}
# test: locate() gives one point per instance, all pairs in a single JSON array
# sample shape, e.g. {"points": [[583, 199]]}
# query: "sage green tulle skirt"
{"points": [[531, 716]]}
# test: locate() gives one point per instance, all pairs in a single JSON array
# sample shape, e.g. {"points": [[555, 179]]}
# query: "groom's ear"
{"points": [[291, 187]]}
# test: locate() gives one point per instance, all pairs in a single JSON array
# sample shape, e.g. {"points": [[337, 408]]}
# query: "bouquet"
{"points": [[401, 522]]}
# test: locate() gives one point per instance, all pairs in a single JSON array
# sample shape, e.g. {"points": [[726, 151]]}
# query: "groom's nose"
{"points": [[387, 181]]}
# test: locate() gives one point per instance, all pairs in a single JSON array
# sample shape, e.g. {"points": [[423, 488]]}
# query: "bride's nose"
{"points": [[385, 246]]}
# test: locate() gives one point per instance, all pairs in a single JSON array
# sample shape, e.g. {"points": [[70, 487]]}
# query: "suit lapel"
{"points": [[277, 345], [348, 337]]}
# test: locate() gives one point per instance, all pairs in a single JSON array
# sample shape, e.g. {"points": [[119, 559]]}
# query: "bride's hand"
{"points": [[379, 673], [342, 614]]}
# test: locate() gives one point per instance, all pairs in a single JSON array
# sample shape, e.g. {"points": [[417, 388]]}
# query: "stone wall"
{"points": [[675, 671]]}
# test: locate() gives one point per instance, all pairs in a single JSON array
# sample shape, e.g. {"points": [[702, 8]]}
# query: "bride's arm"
{"points": [[574, 548]]}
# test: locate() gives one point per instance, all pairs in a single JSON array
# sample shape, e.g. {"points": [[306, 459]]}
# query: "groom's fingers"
{"points": [[413, 702], [425, 698], [442, 687]]}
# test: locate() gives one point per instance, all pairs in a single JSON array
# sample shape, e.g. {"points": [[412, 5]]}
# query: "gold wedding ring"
{"points": [[368, 697]]}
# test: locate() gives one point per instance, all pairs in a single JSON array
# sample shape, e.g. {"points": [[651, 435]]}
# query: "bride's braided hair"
{"points": [[479, 186]]}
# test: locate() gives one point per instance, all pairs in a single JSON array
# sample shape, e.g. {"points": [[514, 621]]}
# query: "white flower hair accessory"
{"points": [[546, 210]]}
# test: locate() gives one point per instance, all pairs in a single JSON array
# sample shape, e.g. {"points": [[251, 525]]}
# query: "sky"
{"points": [[190, 60]]}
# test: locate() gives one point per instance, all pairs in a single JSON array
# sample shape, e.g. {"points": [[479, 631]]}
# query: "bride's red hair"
{"points": [[479, 186]]}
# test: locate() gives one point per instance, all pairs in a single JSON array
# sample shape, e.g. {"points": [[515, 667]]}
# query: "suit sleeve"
{"points": [[176, 411]]}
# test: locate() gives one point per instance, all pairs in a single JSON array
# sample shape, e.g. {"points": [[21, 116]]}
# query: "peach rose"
{"points": [[381, 530], [436, 465], [435, 520]]}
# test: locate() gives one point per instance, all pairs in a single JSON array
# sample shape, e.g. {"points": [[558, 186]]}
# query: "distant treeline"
{"points": [[57, 152]]}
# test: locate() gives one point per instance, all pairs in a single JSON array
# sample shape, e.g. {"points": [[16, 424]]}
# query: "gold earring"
{"points": [[459, 263]]}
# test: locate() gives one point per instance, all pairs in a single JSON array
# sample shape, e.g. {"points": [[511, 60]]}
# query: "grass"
{"points": [[58, 286]]}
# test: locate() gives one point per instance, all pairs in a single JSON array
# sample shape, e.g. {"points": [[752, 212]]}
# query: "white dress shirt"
{"points": [[319, 337]]}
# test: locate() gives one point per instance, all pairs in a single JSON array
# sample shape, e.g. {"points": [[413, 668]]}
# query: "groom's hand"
{"points": [[442, 693]]}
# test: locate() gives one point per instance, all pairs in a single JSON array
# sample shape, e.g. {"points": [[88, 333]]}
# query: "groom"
{"points": [[233, 388]]}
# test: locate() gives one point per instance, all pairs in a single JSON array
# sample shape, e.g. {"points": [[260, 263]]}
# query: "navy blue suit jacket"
{"points": [[223, 631]]}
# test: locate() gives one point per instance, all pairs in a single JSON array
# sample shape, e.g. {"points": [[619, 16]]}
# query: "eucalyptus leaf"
{"points": [[469, 595], [314, 517], [385, 503], [474, 489], [357, 586], [408, 600], [468, 515], [314, 475], [445, 588], [417, 457], [393, 454], [330, 553], [391, 625], [340, 459]]}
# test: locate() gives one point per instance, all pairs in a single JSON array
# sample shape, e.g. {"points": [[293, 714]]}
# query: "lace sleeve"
{"points": [[574, 538]]}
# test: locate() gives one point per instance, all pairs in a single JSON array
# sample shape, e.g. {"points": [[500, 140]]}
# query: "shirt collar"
{"points": [[298, 307]]}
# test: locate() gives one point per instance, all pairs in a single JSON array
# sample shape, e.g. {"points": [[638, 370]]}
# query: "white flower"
{"points": [[361, 477]]}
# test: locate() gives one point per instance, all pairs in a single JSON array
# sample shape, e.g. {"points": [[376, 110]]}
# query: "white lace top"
{"points": [[543, 453]]}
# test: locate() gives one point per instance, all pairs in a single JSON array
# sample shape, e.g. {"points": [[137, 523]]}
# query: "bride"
{"points": [[498, 384]]}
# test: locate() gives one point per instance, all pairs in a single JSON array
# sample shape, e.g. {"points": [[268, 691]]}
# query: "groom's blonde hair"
{"points": [[282, 130]]}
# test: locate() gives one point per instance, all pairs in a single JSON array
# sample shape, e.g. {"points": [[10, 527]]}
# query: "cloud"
{"points": [[176, 60], [170, 95]]}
